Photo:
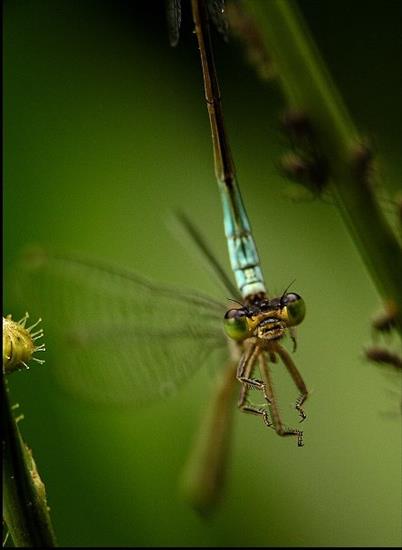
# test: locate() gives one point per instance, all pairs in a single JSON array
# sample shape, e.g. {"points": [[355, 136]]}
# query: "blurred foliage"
{"points": [[105, 134]]}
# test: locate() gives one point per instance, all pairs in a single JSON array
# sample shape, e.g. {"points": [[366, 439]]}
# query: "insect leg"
{"points": [[297, 379], [276, 419], [245, 368], [292, 333], [244, 373]]}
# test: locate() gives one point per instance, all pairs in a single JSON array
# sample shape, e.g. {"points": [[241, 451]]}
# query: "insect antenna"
{"points": [[235, 301], [286, 289]]}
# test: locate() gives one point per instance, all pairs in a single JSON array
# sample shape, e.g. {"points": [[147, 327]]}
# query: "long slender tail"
{"points": [[242, 249]]}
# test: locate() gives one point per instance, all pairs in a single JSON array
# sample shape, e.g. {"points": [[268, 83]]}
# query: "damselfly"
{"points": [[260, 322], [128, 340]]}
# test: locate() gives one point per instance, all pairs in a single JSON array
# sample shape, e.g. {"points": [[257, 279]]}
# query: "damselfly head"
{"points": [[289, 308], [270, 328], [266, 319], [264, 324], [236, 323], [292, 308]]}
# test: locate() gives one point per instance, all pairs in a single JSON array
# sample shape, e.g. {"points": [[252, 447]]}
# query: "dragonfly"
{"points": [[127, 340]]}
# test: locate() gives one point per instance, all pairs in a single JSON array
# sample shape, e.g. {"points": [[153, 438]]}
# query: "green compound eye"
{"points": [[295, 308], [235, 324]]}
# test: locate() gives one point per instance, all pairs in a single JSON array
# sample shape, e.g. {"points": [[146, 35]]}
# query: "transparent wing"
{"points": [[216, 11], [119, 338], [173, 17]]}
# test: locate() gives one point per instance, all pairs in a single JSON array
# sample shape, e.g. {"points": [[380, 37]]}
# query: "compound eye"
{"points": [[295, 308], [235, 324]]}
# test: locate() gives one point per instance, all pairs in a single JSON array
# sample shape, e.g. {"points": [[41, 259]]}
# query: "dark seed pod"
{"points": [[384, 356], [297, 124], [385, 320]]}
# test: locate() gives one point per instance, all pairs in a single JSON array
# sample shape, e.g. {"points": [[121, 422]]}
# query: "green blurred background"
{"points": [[105, 134]]}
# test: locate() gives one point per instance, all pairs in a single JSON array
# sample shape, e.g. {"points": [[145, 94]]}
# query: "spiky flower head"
{"points": [[19, 343]]}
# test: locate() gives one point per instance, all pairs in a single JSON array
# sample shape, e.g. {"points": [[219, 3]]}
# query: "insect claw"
{"points": [[267, 420], [269, 401], [301, 413]]}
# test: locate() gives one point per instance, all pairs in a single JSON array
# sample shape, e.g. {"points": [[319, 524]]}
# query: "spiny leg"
{"points": [[245, 368], [276, 419], [297, 379], [244, 373], [248, 407]]}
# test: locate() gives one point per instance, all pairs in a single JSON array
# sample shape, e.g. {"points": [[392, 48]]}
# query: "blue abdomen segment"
{"points": [[243, 254]]}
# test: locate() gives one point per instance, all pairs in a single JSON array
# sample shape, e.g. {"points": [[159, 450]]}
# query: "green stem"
{"points": [[204, 474], [308, 87], [25, 510]]}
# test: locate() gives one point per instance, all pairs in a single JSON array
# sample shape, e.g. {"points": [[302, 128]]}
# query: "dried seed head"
{"points": [[297, 124], [385, 320], [381, 355], [19, 343], [246, 29]]}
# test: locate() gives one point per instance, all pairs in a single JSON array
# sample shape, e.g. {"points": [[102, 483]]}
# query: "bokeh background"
{"points": [[105, 134]]}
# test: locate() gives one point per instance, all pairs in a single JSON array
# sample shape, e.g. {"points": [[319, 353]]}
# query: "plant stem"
{"points": [[308, 87], [25, 510]]}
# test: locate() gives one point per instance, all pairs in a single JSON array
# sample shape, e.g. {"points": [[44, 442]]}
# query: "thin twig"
{"points": [[25, 509], [308, 88]]}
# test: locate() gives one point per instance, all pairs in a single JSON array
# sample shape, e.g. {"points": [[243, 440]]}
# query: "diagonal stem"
{"points": [[25, 510], [308, 87]]}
